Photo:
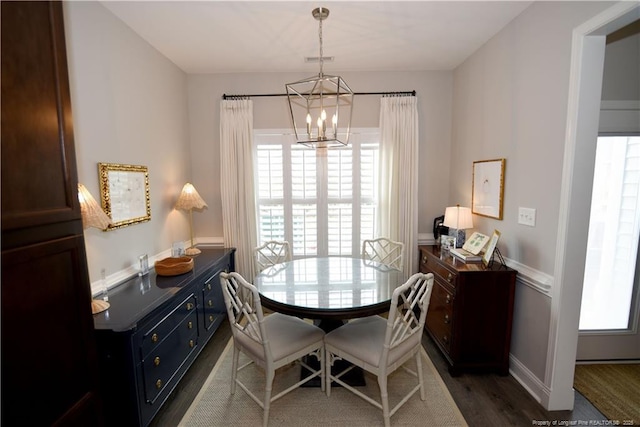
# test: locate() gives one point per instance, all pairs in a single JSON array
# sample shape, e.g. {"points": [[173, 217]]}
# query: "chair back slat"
{"points": [[409, 305], [243, 306], [384, 251], [271, 253]]}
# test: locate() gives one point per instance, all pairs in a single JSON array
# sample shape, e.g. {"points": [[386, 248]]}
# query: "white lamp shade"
{"points": [[92, 213], [458, 218], [190, 199]]}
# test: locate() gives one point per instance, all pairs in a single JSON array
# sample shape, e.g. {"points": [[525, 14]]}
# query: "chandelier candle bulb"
{"points": [[309, 125], [334, 122]]}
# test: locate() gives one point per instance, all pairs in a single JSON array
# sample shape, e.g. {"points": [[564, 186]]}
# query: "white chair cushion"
{"points": [[364, 339], [287, 335]]}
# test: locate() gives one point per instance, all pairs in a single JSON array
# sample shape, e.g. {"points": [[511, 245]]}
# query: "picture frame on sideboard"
{"points": [[491, 247]]}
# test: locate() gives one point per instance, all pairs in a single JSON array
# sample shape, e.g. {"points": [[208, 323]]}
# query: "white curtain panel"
{"points": [[398, 173], [237, 183]]}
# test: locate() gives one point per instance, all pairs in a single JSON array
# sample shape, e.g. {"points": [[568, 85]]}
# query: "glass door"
{"points": [[609, 311]]}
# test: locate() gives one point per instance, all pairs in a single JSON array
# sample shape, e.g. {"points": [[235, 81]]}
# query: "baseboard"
{"points": [[527, 379]]}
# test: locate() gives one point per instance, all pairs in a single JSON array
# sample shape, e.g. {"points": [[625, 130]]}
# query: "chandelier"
{"points": [[323, 103]]}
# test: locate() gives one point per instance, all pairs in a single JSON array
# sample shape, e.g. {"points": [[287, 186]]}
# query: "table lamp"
{"points": [[458, 219], [190, 199], [93, 216]]}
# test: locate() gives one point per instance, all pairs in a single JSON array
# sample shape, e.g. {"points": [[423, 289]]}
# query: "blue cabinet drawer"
{"points": [[158, 332], [161, 365], [213, 308]]}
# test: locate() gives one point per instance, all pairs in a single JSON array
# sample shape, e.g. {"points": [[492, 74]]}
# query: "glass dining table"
{"points": [[328, 289]]}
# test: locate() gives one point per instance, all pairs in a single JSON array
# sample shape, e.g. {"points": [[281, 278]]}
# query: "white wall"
{"points": [[133, 106], [621, 70], [434, 90], [510, 101], [129, 106]]}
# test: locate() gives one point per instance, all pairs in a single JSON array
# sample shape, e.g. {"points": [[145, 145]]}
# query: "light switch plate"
{"points": [[527, 216]]}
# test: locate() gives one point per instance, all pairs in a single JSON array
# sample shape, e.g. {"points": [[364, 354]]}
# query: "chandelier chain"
{"points": [[320, 37]]}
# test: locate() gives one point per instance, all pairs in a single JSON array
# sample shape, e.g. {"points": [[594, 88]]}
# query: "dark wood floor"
{"points": [[483, 399]]}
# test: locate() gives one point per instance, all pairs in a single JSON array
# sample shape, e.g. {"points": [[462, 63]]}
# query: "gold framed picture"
{"points": [[488, 188], [124, 193]]}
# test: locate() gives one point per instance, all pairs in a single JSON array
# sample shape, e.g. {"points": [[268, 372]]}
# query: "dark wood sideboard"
{"points": [[470, 312], [154, 329]]}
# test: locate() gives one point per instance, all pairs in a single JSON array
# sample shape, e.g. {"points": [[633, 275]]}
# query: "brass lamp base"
{"points": [[192, 251], [98, 306]]}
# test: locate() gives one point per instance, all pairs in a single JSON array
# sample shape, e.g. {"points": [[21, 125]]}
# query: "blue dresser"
{"points": [[153, 331]]}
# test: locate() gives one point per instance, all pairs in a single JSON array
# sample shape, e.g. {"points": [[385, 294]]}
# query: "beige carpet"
{"points": [[308, 406], [613, 389]]}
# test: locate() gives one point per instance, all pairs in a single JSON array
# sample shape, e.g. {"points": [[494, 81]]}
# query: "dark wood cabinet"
{"points": [[45, 283], [153, 331], [471, 311]]}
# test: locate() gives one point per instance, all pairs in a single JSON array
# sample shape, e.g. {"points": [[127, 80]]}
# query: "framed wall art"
{"points": [[488, 188], [124, 193]]}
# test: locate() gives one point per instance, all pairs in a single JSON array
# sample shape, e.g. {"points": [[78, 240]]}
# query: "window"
{"points": [[322, 201], [614, 229]]}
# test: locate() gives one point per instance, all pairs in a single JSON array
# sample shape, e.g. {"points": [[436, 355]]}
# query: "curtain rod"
{"points": [[225, 96]]}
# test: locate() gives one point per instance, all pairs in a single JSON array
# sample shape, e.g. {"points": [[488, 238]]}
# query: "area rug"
{"points": [[613, 389], [309, 406]]}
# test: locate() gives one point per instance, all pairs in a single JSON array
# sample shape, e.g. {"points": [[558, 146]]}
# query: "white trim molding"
{"points": [[210, 242], [619, 117], [534, 385], [531, 277]]}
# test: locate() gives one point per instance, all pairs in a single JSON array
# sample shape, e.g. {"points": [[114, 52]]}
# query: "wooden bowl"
{"points": [[174, 266]]}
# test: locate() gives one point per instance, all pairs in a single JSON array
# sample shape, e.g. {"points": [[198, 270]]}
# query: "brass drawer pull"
{"points": [[159, 384], [154, 337], [191, 343], [156, 361], [424, 259], [211, 318], [446, 319], [189, 306], [209, 286], [448, 298], [210, 303], [190, 325], [450, 278], [445, 339]]}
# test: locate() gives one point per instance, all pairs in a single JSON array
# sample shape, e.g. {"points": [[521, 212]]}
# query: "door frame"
{"points": [[585, 81]]}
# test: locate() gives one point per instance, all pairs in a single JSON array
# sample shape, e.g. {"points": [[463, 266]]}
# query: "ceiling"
{"points": [[265, 36]]}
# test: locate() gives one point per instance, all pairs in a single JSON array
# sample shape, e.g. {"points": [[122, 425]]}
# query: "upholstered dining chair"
{"points": [[381, 346], [271, 253], [269, 341], [384, 251]]}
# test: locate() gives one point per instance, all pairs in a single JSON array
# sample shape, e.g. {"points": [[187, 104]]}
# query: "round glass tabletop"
{"points": [[328, 287]]}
